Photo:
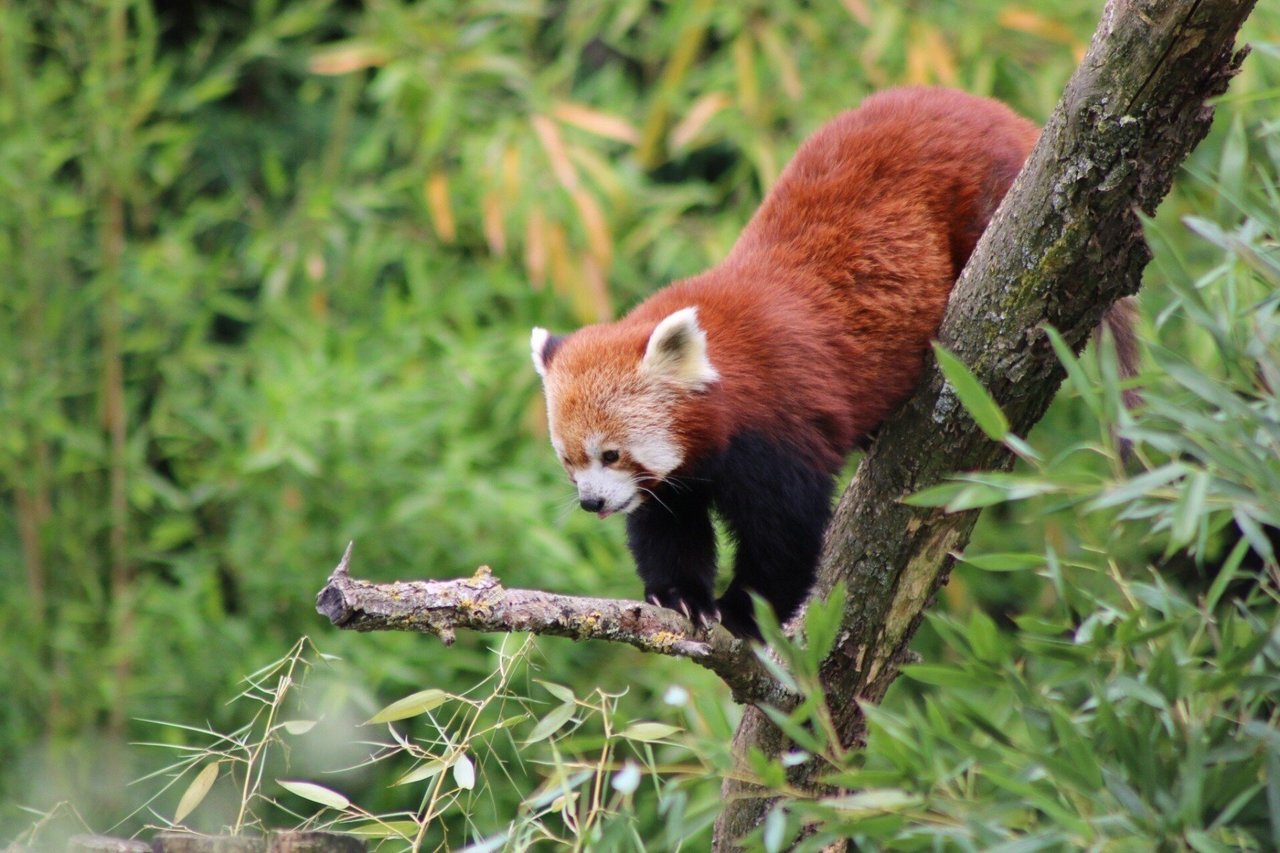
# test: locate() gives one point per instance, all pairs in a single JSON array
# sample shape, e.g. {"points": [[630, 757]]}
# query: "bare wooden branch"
{"points": [[482, 603]]}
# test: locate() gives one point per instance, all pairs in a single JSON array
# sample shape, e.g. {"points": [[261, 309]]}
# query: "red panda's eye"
{"points": [[609, 457]]}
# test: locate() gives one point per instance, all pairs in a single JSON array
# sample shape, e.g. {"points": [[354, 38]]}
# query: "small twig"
{"points": [[482, 603]]}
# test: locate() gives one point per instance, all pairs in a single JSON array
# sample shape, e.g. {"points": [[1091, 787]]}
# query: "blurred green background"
{"points": [[267, 273]]}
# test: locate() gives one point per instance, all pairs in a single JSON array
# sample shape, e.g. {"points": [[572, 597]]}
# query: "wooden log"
{"points": [[190, 842], [315, 842], [106, 844], [278, 841]]}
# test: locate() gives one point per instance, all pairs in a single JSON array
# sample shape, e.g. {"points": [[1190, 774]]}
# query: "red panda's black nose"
{"points": [[592, 504]]}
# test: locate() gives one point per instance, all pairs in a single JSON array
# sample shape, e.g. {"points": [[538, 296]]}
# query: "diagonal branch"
{"points": [[1063, 247], [482, 603]]}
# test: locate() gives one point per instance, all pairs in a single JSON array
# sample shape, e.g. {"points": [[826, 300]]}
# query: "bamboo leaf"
{"points": [[298, 727], [464, 773], [822, 624], [884, 799], [564, 694], [1189, 511], [426, 770], [1003, 562], [196, 792], [1076, 376], [410, 706], [316, 793], [1138, 486], [975, 398], [648, 731], [551, 723]]}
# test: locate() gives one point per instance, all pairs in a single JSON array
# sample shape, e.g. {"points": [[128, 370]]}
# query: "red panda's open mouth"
{"points": [[605, 513]]}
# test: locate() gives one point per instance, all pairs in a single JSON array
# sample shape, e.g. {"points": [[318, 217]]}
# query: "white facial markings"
{"points": [[616, 488], [655, 450], [595, 480]]}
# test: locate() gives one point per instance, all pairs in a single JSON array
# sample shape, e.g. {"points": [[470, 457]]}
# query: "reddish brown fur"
{"points": [[819, 319]]}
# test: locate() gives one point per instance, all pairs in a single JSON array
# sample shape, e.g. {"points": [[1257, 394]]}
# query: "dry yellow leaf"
{"points": [[494, 233], [196, 792], [596, 121], [562, 272], [437, 195], [929, 59], [553, 144], [858, 10], [318, 304], [345, 58], [599, 240], [1028, 21], [596, 291], [917, 65], [535, 248], [744, 66], [510, 171], [703, 110], [783, 65], [943, 60]]}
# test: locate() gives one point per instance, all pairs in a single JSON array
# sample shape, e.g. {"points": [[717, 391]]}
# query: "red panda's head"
{"points": [[611, 394]]}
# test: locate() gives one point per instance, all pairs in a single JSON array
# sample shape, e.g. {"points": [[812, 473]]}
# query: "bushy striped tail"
{"points": [[1119, 321]]}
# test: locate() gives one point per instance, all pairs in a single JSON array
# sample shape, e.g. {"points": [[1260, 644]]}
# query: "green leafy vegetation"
{"points": [[267, 272]]}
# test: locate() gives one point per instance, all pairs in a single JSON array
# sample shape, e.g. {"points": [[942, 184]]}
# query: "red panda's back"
{"points": [[904, 159], [820, 318]]}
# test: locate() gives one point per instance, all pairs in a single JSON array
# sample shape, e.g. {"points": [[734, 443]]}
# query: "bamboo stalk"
{"points": [[111, 245]]}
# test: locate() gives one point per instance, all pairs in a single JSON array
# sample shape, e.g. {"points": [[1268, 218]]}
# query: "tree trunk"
{"points": [[1064, 246]]}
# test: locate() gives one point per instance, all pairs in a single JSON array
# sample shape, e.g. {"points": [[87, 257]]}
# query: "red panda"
{"points": [[742, 389]]}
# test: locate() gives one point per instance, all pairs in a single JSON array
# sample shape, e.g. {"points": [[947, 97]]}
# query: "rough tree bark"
{"points": [[1065, 245]]}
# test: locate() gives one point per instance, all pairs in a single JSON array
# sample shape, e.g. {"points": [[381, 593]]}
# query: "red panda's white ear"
{"points": [[677, 352], [538, 342]]}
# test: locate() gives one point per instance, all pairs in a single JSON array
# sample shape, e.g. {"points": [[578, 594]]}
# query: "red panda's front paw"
{"points": [[739, 618], [698, 606]]}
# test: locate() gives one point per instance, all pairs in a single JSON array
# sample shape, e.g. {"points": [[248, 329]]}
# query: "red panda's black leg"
{"points": [[776, 504], [674, 545]]}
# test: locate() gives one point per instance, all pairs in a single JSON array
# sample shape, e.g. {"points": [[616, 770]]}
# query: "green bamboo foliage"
{"points": [[267, 272]]}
